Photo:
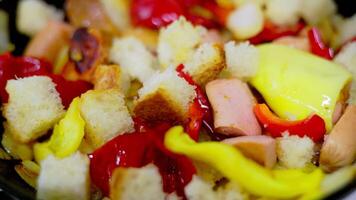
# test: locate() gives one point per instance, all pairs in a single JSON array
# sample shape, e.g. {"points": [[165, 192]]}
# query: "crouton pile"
{"points": [[194, 70]]}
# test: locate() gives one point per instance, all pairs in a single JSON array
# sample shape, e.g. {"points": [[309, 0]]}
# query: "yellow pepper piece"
{"points": [[296, 84], [248, 174], [67, 135]]}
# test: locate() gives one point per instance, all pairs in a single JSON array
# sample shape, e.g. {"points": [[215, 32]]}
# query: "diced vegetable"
{"points": [[313, 126]]}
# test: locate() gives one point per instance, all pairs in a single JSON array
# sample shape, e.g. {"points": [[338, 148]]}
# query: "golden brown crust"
{"points": [[215, 67], [107, 77], [117, 183], [158, 107]]}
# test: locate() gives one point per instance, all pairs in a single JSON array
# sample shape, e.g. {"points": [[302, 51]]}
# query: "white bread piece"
{"points": [[136, 184], [206, 63], [164, 97], [241, 60], [33, 15], [105, 115], [315, 11], [199, 189], [283, 13], [118, 12], [347, 58], [132, 55], [34, 107], [111, 77], [177, 42], [294, 151], [246, 21], [66, 178]]}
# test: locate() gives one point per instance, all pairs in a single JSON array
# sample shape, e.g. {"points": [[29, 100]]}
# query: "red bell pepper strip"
{"points": [[313, 127], [271, 32], [199, 111], [155, 14], [317, 46], [137, 150], [12, 67]]}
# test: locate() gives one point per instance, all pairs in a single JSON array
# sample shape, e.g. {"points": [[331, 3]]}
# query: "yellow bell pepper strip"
{"points": [[248, 174], [67, 135], [313, 126], [296, 84]]}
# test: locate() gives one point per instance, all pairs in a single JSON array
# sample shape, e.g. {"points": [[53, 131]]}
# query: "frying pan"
{"points": [[12, 187]]}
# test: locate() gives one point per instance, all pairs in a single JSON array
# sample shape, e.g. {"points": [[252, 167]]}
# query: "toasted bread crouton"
{"points": [[246, 21], [17, 150], [294, 151], [177, 42], [347, 58], [132, 55], [241, 60], [136, 184], [283, 13], [33, 15], [105, 115], [199, 189], [206, 64], [164, 97], [111, 77], [34, 107], [66, 178]]}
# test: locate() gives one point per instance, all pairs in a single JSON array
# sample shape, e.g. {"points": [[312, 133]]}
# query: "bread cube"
{"points": [[294, 152], [241, 60], [132, 55], [33, 15], [34, 107], [206, 64], [66, 178], [177, 42], [111, 77], [105, 115], [164, 97], [136, 184]]}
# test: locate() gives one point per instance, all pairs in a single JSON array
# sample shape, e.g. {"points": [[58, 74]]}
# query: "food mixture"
{"points": [[181, 99]]}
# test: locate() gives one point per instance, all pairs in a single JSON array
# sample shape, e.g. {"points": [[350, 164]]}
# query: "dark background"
{"points": [[11, 185]]}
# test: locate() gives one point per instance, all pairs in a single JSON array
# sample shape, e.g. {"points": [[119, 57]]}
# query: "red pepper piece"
{"points": [[313, 127], [29, 66], [68, 90], [317, 45], [155, 13], [7, 72], [271, 32], [199, 111], [137, 150]]}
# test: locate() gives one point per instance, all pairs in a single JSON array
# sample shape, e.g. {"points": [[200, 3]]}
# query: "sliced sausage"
{"points": [[339, 149], [49, 41], [260, 148], [232, 103]]}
